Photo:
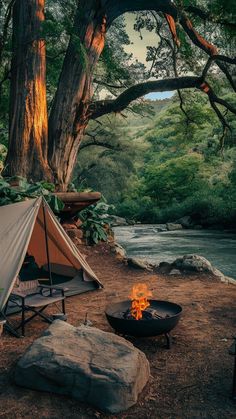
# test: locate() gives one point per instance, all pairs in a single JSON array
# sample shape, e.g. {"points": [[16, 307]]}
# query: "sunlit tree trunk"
{"points": [[69, 114], [28, 131]]}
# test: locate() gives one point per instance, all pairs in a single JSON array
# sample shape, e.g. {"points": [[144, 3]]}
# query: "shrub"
{"points": [[95, 222]]}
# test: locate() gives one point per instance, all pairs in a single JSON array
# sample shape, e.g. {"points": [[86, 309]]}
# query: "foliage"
{"points": [[3, 152], [95, 223], [24, 190], [177, 165]]}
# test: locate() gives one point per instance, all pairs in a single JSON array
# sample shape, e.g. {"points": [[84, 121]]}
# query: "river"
{"points": [[144, 241]]}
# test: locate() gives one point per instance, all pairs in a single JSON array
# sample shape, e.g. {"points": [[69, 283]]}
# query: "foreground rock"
{"points": [[92, 366]]}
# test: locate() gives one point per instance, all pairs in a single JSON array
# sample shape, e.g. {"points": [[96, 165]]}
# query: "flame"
{"points": [[139, 297]]}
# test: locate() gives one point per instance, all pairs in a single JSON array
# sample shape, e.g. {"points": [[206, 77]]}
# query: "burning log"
{"points": [[149, 314]]}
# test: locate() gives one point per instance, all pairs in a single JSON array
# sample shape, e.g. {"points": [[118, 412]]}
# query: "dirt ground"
{"points": [[191, 380]]}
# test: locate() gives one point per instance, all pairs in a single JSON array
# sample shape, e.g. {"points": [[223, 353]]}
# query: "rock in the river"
{"points": [[90, 365], [172, 226], [196, 263], [140, 264], [159, 228], [117, 221], [185, 221]]}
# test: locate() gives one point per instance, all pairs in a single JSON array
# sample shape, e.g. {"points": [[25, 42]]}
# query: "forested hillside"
{"points": [[168, 164]]}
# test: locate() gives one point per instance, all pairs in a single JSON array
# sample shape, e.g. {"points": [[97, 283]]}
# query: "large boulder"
{"points": [[193, 263], [90, 365], [198, 263]]}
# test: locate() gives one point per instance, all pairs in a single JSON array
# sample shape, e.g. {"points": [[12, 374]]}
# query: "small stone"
{"points": [[69, 226], [78, 223], [78, 241], [139, 264], [75, 233], [119, 250], [164, 268], [175, 272]]}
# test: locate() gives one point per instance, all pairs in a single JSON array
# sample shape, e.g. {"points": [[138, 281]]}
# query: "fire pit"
{"points": [[155, 317]]}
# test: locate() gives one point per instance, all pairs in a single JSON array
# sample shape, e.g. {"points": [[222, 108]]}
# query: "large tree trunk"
{"points": [[27, 154], [69, 116]]}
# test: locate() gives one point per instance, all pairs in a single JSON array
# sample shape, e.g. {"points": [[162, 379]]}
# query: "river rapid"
{"points": [[144, 241]]}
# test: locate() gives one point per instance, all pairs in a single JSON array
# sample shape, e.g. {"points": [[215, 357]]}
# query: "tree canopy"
{"points": [[82, 45]]}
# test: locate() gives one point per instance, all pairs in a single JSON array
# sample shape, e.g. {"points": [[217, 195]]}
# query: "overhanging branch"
{"points": [[206, 16], [114, 9], [103, 107]]}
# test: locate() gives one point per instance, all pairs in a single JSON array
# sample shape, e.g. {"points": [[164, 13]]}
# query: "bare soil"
{"points": [[191, 380]]}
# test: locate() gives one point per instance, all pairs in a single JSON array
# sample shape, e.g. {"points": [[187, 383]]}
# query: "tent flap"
{"points": [[22, 230]]}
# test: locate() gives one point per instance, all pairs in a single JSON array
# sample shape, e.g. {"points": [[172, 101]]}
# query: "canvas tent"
{"points": [[31, 227]]}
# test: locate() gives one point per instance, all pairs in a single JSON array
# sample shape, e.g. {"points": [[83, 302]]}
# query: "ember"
{"points": [[139, 297], [148, 314]]}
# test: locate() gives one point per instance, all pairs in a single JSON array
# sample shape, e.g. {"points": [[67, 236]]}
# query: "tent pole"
{"points": [[47, 247]]}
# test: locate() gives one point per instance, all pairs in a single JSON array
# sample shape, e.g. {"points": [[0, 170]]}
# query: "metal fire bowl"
{"points": [[144, 328]]}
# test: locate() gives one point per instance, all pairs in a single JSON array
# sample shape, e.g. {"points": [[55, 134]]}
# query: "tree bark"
{"points": [[69, 117], [28, 130]]}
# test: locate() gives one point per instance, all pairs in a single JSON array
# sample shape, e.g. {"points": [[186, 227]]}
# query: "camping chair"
{"points": [[34, 297]]}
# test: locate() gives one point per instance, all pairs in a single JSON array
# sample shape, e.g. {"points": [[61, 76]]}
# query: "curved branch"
{"points": [[103, 107], [172, 26], [195, 37], [209, 48], [217, 58], [206, 88], [114, 9], [206, 16]]}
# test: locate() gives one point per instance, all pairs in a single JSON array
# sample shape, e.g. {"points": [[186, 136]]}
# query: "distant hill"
{"points": [[137, 124]]}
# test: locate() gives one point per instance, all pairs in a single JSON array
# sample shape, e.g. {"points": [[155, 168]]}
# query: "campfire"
{"points": [[143, 316], [139, 297]]}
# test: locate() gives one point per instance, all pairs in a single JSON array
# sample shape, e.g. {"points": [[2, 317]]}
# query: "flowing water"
{"points": [[144, 241]]}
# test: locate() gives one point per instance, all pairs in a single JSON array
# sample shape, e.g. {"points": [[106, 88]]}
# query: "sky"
{"points": [[138, 48]]}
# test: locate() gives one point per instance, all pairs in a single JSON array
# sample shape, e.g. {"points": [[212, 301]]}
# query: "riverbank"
{"points": [[192, 380], [146, 241]]}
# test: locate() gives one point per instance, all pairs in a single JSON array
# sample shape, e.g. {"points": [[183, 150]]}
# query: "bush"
{"points": [[96, 222]]}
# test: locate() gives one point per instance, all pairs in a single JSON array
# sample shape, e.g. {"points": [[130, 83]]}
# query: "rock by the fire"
{"points": [[92, 366]]}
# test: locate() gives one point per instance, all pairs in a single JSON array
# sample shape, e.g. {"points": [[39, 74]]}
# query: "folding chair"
{"points": [[30, 296]]}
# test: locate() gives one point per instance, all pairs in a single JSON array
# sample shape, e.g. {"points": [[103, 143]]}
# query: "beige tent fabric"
{"points": [[21, 230], [62, 250], [16, 226]]}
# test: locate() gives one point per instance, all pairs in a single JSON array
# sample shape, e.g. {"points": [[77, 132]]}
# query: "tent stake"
{"points": [[47, 247]]}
